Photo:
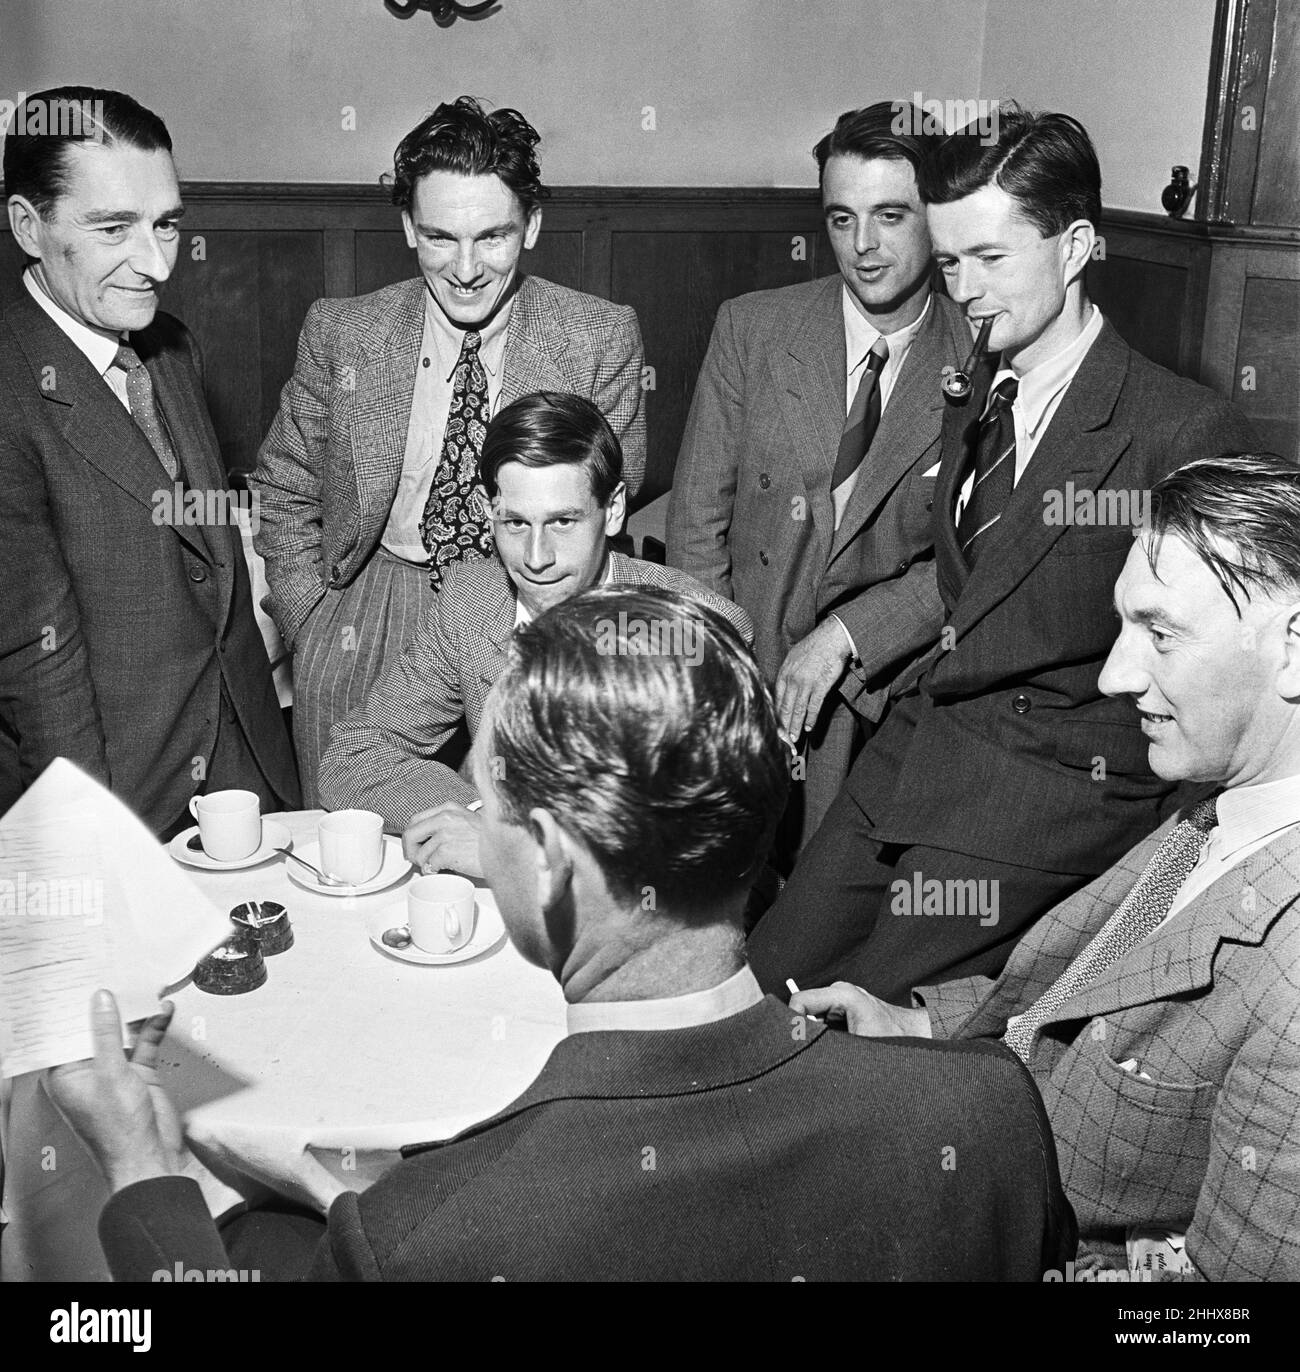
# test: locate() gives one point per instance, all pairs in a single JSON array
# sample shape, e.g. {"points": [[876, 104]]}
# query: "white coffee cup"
{"points": [[230, 824], [440, 912], [351, 845]]}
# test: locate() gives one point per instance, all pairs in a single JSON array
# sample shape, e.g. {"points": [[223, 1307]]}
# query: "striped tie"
{"points": [[863, 418], [144, 408], [1139, 914], [995, 472]]}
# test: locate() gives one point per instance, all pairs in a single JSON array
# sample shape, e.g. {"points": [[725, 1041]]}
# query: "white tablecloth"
{"points": [[307, 1085]]}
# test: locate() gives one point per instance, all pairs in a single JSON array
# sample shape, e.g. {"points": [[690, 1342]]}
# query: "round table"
{"points": [[310, 1084]]}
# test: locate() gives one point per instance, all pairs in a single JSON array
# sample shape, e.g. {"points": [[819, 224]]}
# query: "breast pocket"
{"points": [[1150, 1144]]}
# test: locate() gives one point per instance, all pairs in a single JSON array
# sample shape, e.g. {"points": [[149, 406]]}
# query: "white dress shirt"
{"points": [[739, 992], [98, 350], [440, 348], [1038, 398]]}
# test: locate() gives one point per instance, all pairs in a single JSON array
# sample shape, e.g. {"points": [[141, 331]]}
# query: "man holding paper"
{"points": [[687, 1127]]}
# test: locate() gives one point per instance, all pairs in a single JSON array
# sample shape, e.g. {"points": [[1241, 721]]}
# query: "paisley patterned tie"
{"points": [[455, 526]]}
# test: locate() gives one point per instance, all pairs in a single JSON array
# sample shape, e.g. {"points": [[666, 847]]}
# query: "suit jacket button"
{"points": [[335, 575], [764, 481], [929, 505], [1020, 704], [762, 557], [198, 574], [903, 566]]}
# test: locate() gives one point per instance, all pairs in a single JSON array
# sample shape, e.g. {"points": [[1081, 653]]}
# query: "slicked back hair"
{"points": [[463, 137], [667, 766], [871, 132], [1247, 503], [1045, 162], [36, 164], [546, 429]]}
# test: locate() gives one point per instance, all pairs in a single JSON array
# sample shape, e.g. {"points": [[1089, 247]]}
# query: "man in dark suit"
{"points": [[367, 476], [1005, 773], [806, 473], [1157, 1009], [127, 641], [552, 469], [687, 1127]]}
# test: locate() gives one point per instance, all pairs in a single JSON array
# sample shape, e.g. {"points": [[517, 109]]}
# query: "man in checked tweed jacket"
{"points": [[552, 467], [1172, 1076], [345, 474]]}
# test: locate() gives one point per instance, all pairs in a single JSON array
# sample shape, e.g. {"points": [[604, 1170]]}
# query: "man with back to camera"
{"points": [[1157, 1009], [552, 471], [806, 473], [629, 797], [127, 638], [367, 475], [1006, 766]]}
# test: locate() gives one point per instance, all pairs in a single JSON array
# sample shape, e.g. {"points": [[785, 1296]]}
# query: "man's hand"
{"points": [[444, 839], [865, 1014], [810, 670], [116, 1104]]}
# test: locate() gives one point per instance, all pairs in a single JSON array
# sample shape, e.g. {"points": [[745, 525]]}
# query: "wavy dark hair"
{"points": [[548, 428], [873, 131], [1045, 162], [667, 765], [36, 164], [463, 137], [1246, 502]]}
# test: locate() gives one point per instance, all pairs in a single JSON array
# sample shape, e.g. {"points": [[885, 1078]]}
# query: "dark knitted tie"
{"points": [[144, 408], [863, 417], [1138, 915], [454, 526], [995, 473]]}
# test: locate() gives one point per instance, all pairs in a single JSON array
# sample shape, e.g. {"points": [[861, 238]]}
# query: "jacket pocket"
{"points": [[1121, 747]]}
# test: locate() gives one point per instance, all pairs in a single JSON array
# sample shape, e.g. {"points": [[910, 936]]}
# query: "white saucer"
{"points": [[274, 835], [393, 868], [489, 934]]}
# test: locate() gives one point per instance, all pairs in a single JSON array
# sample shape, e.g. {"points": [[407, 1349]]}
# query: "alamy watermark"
{"points": [[632, 636], [177, 505], [62, 118], [950, 899], [920, 116], [1103, 509]]}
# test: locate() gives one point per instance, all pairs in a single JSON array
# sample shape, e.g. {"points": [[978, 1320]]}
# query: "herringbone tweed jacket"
{"points": [[329, 468], [1173, 1081], [381, 756]]}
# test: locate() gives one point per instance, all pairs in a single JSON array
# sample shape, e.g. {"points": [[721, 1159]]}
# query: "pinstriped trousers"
{"points": [[343, 647]]}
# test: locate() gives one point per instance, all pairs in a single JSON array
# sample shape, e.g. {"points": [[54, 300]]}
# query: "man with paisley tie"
{"points": [[367, 478]]}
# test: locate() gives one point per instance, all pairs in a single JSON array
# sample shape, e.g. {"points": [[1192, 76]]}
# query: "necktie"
{"points": [[1138, 915], [995, 472], [454, 527], [144, 408], [863, 417]]}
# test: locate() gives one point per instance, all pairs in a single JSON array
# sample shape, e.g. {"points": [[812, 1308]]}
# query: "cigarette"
{"points": [[793, 988], [474, 805]]}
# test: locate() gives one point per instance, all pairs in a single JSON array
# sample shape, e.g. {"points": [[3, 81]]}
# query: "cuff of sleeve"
{"points": [[854, 659]]}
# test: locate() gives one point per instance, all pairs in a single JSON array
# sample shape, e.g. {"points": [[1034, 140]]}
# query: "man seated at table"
{"points": [[552, 468], [687, 1127], [1157, 1009]]}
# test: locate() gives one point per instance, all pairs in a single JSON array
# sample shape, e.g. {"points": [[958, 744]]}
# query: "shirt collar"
{"points": [[860, 336], [98, 350], [739, 992], [447, 339], [521, 610], [1040, 385], [1249, 814]]}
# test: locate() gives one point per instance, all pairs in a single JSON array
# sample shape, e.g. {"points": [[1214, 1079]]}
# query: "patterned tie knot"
{"points": [[877, 357], [127, 358], [470, 344], [1205, 815]]}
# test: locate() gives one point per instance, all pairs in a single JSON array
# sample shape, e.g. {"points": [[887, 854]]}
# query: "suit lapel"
{"points": [[534, 345], [381, 412], [810, 394], [1078, 446], [908, 426], [93, 421], [1179, 957]]}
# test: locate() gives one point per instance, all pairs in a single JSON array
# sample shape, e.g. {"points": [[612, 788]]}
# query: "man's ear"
{"points": [[532, 226], [25, 224], [553, 858], [1077, 244], [616, 510], [1288, 678], [409, 225]]}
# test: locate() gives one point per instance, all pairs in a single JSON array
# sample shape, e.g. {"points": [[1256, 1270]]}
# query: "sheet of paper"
{"points": [[88, 898]]}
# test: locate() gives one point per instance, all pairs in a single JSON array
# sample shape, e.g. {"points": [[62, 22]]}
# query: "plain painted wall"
{"points": [[256, 90]]}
